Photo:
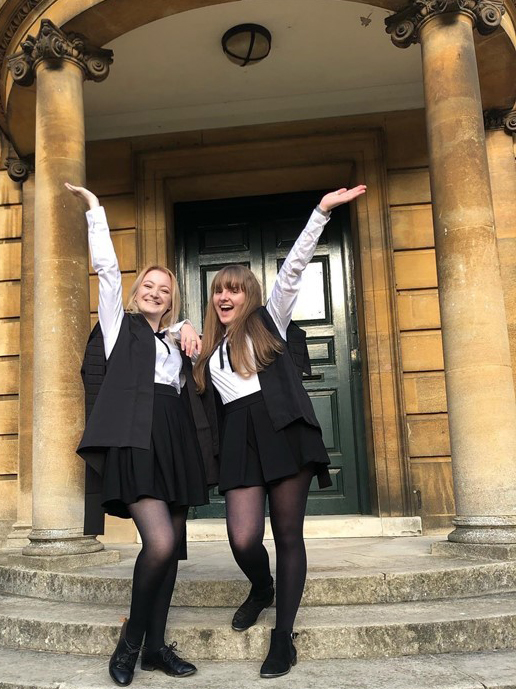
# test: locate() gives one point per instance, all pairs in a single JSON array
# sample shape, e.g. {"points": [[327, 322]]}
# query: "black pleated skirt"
{"points": [[252, 453], [172, 468]]}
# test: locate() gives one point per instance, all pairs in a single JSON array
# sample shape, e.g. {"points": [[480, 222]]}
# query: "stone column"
{"points": [[500, 127], [479, 386], [23, 171], [59, 62]]}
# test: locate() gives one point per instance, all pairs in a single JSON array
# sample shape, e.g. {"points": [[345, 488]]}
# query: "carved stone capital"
{"points": [[53, 45], [19, 169], [405, 26], [501, 119], [509, 122]]}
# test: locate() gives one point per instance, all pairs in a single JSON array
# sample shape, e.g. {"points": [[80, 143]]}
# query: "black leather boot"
{"points": [[282, 655], [248, 612], [167, 660], [123, 660]]}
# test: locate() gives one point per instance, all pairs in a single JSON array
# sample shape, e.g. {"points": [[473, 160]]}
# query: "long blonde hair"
{"points": [[248, 323], [171, 315]]}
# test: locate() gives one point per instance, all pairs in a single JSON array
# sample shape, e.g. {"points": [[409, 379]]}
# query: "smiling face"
{"points": [[154, 295], [228, 301]]}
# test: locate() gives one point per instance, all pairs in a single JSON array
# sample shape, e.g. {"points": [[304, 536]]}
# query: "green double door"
{"points": [[258, 232]]}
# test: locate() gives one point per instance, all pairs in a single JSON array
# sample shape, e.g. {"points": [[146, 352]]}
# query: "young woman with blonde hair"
{"points": [[140, 438], [270, 441]]}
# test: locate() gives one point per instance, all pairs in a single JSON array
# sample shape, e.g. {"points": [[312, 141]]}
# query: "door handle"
{"points": [[356, 359]]}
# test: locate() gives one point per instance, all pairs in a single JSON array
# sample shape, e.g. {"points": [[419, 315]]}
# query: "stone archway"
{"points": [[104, 20]]}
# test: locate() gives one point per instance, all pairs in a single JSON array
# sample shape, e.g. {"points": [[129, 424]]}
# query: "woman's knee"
{"points": [[162, 551], [245, 540]]}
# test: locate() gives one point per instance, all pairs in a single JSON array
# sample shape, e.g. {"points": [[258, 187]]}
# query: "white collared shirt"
{"points": [[111, 310], [232, 386]]}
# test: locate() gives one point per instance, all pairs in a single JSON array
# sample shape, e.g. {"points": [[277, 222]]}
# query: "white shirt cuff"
{"points": [[175, 330]]}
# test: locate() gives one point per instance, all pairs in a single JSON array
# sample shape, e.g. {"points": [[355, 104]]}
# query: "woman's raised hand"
{"points": [[84, 194], [337, 198]]}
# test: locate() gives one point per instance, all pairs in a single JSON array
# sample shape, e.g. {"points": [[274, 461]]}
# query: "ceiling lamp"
{"points": [[247, 44]]}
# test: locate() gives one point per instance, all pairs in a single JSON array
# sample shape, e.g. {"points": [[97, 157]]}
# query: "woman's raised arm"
{"points": [[105, 264], [288, 281]]}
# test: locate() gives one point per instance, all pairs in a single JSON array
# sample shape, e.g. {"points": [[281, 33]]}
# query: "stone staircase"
{"points": [[366, 601]]}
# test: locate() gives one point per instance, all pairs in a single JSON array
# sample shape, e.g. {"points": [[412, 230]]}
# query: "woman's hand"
{"points": [[84, 194], [337, 198], [191, 343]]}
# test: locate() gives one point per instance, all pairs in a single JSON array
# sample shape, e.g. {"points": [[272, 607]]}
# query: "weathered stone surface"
{"points": [[64, 563], [364, 631], [476, 550], [24, 670], [341, 572]]}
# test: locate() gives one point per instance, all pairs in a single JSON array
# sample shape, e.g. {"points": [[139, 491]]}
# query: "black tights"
{"points": [[161, 529], [245, 511]]}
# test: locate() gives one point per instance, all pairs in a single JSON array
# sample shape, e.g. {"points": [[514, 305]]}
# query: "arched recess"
{"points": [[104, 20]]}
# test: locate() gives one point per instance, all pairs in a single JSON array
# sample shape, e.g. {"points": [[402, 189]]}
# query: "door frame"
{"points": [[227, 167]]}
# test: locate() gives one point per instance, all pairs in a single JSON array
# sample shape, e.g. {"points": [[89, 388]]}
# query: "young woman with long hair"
{"points": [[270, 442], [140, 438]]}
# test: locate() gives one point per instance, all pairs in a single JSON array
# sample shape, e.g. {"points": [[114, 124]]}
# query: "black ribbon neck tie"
{"points": [[161, 337], [221, 354]]}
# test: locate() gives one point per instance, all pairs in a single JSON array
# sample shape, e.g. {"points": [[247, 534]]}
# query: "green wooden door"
{"points": [[258, 232]]}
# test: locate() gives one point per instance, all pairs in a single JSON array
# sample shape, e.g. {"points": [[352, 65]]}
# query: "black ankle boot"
{"points": [[123, 660], [282, 655], [248, 612], [167, 660]]}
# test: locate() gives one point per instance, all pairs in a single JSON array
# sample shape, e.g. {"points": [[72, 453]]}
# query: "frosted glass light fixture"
{"points": [[247, 44]]}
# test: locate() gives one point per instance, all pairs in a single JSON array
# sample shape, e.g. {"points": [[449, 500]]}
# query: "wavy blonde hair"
{"points": [[172, 314], [248, 323]]}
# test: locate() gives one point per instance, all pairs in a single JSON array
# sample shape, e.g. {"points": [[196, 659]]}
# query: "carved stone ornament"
{"points": [[501, 119], [509, 122], [405, 26], [54, 46], [19, 169]]}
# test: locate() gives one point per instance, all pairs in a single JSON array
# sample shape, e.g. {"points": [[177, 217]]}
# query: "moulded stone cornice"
{"points": [[19, 169], [405, 26], [14, 22], [54, 45]]}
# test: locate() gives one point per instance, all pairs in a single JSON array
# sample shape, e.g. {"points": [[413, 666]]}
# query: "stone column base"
{"points": [[19, 536], [64, 563], [475, 551], [51, 542], [485, 530]]}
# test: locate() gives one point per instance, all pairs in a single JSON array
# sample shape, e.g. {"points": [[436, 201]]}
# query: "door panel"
{"points": [[258, 232]]}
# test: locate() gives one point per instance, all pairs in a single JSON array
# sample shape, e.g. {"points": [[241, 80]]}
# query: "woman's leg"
{"points": [[287, 506], [245, 514], [161, 535], [157, 621]]}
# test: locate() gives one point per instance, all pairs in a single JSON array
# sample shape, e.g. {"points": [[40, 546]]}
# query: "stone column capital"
{"points": [[19, 169], [53, 45], [500, 119], [405, 26]]}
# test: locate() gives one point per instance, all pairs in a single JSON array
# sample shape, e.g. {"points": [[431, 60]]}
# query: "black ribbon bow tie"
{"points": [[161, 336], [221, 354]]}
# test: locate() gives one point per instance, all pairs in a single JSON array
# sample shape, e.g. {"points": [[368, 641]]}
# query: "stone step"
{"points": [[496, 670], [204, 581], [484, 623]]}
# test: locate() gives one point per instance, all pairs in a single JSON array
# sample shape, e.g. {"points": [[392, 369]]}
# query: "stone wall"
{"points": [[10, 262]]}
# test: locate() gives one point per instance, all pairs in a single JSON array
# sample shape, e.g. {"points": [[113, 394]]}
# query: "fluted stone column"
{"points": [[23, 171], [59, 62], [479, 385]]}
